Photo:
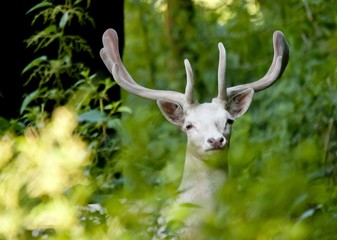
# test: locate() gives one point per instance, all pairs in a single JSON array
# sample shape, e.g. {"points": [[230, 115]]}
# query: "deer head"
{"points": [[207, 125]]}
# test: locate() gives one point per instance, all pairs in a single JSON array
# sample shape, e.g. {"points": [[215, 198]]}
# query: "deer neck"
{"points": [[202, 178]]}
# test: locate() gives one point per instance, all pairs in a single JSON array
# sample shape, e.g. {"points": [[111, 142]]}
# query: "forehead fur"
{"points": [[206, 111]]}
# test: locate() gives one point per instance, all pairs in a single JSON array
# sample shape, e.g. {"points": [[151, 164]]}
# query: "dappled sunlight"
{"points": [[223, 8]]}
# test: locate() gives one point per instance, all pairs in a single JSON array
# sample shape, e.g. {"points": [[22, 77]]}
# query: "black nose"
{"points": [[216, 143]]}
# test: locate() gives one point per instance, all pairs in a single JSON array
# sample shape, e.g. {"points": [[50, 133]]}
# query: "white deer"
{"points": [[207, 125]]}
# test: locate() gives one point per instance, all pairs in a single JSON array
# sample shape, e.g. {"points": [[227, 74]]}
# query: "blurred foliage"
{"points": [[283, 156], [42, 179]]}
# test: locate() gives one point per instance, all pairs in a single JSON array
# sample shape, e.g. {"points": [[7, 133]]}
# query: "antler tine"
{"points": [[189, 83], [280, 61], [111, 58], [222, 91]]}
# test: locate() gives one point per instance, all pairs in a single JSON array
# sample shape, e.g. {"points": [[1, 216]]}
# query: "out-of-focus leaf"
{"points": [[28, 99], [114, 123], [4, 124], [40, 5], [64, 20], [124, 109], [34, 63], [93, 116]]}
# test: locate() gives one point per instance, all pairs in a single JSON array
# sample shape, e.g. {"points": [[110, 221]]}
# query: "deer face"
{"points": [[207, 125], [208, 128]]}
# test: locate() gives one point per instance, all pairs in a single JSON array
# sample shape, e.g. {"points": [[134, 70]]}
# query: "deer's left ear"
{"points": [[240, 102], [172, 111]]}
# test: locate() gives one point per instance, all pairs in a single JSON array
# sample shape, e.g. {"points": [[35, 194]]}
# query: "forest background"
{"points": [[82, 162]]}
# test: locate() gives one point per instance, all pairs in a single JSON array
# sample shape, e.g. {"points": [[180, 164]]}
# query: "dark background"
{"points": [[16, 26]]}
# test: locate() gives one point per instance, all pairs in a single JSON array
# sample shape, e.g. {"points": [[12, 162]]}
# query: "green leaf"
{"points": [[93, 116], [114, 124], [28, 99], [124, 109], [34, 63], [4, 125], [50, 29], [40, 5], [64, 20]]}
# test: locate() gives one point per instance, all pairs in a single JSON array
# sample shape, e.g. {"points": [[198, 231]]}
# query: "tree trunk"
{"points": [[180, 29]]}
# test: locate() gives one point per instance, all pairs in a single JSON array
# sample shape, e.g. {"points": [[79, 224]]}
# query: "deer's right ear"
{"points": [[172, 111]]}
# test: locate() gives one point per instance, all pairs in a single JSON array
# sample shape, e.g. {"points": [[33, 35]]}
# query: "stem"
{"points": [[327, 139], [101, 108]]}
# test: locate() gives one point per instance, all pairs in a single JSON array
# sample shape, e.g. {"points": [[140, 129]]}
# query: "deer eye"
{"points": [[230, 121], [189, 126]]}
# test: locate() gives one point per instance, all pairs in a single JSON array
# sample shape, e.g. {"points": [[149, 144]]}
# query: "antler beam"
{"points": [[112, 60], [280, 61]]}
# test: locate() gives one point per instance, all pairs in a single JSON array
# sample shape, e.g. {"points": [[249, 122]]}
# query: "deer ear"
{"points": [[239, 103], [172, 111]]}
